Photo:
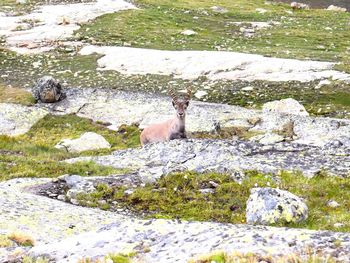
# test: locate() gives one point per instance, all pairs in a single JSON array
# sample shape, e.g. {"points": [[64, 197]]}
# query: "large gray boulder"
{"points": [[287, 106], [89, 141], [267, 206], [47, 90]]}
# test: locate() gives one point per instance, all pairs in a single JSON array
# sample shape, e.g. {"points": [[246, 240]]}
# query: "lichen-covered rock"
{"points": [[76, 185], [47, 90], [225, 156], [87, 142], [288, 106], [16, 119], [267, 206]]}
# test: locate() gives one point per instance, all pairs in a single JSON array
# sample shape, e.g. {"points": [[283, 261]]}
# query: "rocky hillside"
{"points": [[263, 175]]}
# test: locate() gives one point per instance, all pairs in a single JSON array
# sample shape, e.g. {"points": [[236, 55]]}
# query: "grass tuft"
{"points": [[22, 239]]}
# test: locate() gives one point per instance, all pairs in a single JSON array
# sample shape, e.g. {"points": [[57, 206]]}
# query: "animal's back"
{"points": [[155, 133]]}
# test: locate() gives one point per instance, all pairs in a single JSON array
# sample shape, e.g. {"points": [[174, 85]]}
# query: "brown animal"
{"points": [[171, 129]]}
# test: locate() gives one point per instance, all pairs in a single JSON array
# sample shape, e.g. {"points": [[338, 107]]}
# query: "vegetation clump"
{"points": [[22, 239], [218, 197], [15, 95]]}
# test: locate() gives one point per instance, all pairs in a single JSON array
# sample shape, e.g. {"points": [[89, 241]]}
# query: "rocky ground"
{"points": [[66, 233], [92, 45]]}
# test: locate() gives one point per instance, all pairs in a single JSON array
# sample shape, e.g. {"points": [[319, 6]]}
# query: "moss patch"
{"points": [[15, 95], [181, 195], [33, 154]]}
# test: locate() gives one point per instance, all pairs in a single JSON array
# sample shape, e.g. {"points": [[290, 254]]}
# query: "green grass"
{"points": [[178, 196], [33, 154], [158, 24]]}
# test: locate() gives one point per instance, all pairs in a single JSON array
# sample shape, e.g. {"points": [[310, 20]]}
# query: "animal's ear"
{"points": [[188, 94]]}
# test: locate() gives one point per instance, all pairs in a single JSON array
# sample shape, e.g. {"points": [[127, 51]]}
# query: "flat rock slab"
{"points": [[158, 159], [215, 65], [52, 23], [68, 233], [17, 119]]}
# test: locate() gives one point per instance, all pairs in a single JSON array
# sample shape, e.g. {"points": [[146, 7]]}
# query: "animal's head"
{"points": [[180, 105]]}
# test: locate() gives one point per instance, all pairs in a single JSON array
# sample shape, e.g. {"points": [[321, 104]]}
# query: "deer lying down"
{"points": [[171, 129]]}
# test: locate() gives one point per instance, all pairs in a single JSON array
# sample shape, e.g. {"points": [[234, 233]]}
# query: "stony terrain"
{"points": [[59, 230], [140, 49], [114, 108]]}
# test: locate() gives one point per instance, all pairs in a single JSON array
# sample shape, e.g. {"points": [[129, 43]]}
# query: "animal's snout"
{"points": [[181, 114]]}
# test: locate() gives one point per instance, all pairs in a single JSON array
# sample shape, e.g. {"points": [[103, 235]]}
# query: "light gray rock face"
{"points": [[155, 160], [17, 119], [288, 106], [87, 142], [267, 206], [47, 90], [214, 65]]}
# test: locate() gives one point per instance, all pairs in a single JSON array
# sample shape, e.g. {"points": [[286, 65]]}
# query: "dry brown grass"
{"points": [[22, 239], [15, 95]]}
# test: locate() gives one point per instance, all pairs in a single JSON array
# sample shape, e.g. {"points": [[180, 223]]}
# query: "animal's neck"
{"points": [[179, 123]]}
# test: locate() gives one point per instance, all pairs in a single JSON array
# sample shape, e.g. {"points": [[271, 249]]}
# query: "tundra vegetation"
{"points": [[302, 34], [181, 196]]}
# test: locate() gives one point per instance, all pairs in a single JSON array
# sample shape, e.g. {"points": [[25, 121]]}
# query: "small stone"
{"points": [[336, 8], [200, 94], [128, 191], [206, 191], [296, 5], [248, 88], [188, 32], [213, 184], [219, 9], [102, 202], [333, 204], [261, 10], [322, 83], [61, 198], [74, 201]]}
